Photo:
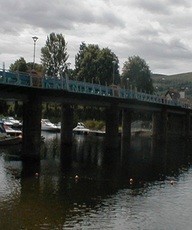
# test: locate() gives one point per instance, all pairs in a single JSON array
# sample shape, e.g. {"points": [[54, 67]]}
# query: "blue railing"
{"points": [[32, 80]]}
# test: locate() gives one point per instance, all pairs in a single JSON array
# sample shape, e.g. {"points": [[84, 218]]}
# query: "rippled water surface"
{"points": [[86, 187]]}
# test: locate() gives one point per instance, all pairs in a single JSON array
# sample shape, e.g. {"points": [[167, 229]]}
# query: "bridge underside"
{"points": [[170, 119], [165, 125]]}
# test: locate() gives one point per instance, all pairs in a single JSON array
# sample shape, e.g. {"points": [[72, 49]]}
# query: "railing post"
{"points": [[18, 78], [4, 78], [67, 82], [31, 80]]}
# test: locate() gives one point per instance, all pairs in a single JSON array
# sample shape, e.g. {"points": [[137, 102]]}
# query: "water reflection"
{"points": [[72, 186]]}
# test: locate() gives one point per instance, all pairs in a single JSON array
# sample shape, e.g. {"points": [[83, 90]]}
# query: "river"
{"points": [[148, 186]]}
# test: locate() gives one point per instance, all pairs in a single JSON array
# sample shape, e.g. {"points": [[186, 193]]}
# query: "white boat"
{"points": [[46, 125], [12, 122], [58, 125], [6, 139], [97, 132], [81, 129], [12, 132]]}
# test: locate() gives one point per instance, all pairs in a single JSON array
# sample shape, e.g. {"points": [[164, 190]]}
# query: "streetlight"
{"points": [[127, 83], [34, 39], [114, 62]]}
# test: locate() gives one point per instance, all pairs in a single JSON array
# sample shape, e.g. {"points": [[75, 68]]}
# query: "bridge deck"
{"points": [[30, 80]]}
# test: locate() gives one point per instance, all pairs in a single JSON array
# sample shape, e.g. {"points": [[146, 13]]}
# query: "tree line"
{"points": [[92, 64]]}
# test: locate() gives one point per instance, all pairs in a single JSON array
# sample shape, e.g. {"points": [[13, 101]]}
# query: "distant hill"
{"points": [[181, 76], [156, 75], [180, 81]]}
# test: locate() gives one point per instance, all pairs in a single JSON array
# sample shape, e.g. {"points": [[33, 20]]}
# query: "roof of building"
{"points": [[173, 93]]}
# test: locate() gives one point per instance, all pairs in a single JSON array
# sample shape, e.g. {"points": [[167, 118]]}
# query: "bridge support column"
{"points": [[126, 128], [32, 110], [112, 124], [160, 121], [187, 125], [66, 125]]}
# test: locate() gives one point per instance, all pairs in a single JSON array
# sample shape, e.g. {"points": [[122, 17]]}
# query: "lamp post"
{"points": [[114, 62], [127, 81], [34, 40]]}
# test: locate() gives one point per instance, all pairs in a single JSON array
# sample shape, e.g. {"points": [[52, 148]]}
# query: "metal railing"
{"points": [[46, 82]]}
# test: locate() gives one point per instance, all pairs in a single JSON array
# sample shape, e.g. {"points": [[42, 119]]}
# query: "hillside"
{"points": [[177, 81]]}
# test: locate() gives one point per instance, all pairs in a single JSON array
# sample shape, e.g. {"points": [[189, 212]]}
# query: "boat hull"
{"points": [[10, 141]]}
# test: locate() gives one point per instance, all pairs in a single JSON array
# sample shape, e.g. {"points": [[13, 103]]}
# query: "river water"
{"points": [[148, 186]]}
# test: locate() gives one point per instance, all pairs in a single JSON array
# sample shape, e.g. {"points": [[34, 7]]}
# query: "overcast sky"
{"points": [[159, 31]]}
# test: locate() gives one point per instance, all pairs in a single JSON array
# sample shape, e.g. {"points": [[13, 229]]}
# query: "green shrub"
{"points": [[93, 124]]}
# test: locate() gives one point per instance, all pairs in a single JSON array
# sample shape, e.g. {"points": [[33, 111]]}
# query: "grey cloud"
{"points": [[148, 32], [160, 55], [158, 48], [148, 28], [152, 6], [183, 3], [163, 7], [54, 15]]}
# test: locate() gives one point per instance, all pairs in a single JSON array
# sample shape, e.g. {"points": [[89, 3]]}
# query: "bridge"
{"points": [[170, 118]]}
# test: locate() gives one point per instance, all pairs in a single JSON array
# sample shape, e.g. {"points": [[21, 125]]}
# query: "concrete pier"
{"points": [[32, 110], [159, 123], [112, 125], [125, 135], [126, 127], [187, 125], [66, 125], [176, 126]]}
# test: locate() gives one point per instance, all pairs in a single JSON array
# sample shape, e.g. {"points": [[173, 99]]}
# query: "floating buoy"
{"points": [[76, 177], [36, 174], [172, 182], [131, 180]]}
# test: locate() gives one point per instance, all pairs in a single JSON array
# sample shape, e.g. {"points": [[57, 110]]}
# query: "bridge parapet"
{"points": [[47, 82]]}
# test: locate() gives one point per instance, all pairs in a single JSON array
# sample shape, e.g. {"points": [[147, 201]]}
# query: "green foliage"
{"points": [[93, 64], [54, 55], [37, 67], [95, 125], [19, 65], [137, 73], [22, 66], [51, 111]]}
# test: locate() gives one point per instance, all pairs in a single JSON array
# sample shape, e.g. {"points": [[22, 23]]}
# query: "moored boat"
{"points": [[6, 139], [12, 132], [81, 129], [12, 122], [46, 125]]}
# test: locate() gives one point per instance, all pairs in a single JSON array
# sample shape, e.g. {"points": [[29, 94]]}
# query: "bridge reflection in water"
{"points": [[95, 192]]}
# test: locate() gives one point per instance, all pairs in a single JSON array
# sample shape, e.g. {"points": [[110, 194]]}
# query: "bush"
{"points": [[95, 125]]}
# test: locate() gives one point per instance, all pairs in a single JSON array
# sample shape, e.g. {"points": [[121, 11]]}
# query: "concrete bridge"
{"points": [[170, 118]]}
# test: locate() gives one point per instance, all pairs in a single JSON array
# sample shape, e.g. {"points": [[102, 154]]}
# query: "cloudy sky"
{"points": [[159, 31]]}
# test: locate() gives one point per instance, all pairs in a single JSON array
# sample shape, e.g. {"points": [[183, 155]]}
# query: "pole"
{"points": [[34, 39], [114, 62]]}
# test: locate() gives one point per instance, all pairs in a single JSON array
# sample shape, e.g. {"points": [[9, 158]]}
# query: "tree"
{"points": [[54, 55], [136, 73], [93, 64], [19, 65], [22, 66], [37, 67]]}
